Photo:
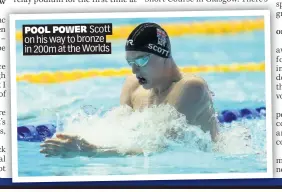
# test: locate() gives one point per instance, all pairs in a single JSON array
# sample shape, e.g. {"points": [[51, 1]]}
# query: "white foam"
{"points": [[235, 141], [124, 129]]}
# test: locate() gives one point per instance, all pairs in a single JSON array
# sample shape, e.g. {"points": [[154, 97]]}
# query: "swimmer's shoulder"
{"points": [[130, 85], [193, 87], [189, 81]]}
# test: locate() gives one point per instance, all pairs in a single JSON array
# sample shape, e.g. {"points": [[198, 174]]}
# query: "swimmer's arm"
{"points": [[208, 119], [110, 152], [125, 98], [214, 131], [128, 88], [95, 151], [66, 146], [196, 104], [114, 152]]}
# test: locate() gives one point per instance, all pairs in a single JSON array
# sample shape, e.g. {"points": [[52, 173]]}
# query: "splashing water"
{"points": [[153, 129]]}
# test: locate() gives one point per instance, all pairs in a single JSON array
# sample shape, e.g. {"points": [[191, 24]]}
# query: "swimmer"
{"points": [[156, 80]]}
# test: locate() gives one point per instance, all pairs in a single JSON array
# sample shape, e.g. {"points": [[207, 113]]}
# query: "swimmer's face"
{"points": [[148, 68]]}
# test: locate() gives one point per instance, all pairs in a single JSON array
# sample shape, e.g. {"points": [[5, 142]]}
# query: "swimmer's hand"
{"points": [[67, 146]]}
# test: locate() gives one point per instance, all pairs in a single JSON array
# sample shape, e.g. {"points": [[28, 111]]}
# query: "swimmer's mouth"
{"points": [[141, 80]]}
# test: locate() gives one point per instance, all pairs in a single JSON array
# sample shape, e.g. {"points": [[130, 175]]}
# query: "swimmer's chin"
{"points": [[146, 86]]}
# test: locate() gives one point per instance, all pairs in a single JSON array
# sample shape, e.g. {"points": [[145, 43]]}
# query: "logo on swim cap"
{"points": [[129, 42], [161, 37]]}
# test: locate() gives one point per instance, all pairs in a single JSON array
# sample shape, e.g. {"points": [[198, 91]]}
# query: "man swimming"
{"points": [[156, 80]]}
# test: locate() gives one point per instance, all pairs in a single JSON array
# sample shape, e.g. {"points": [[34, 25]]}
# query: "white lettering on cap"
{"points": [[129, 42], [158, 49]]}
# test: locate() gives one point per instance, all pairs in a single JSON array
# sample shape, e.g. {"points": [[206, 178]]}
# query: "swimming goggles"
{"points": [[141, 61]]}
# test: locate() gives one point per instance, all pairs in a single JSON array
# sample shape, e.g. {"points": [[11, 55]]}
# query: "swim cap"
{"points": [[151, 38]]}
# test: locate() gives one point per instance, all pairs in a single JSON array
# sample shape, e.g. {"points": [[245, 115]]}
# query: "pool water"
{"points": [[243, 149]]}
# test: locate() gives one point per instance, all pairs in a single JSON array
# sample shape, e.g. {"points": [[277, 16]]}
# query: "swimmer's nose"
{"points": [[134, 69]]}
